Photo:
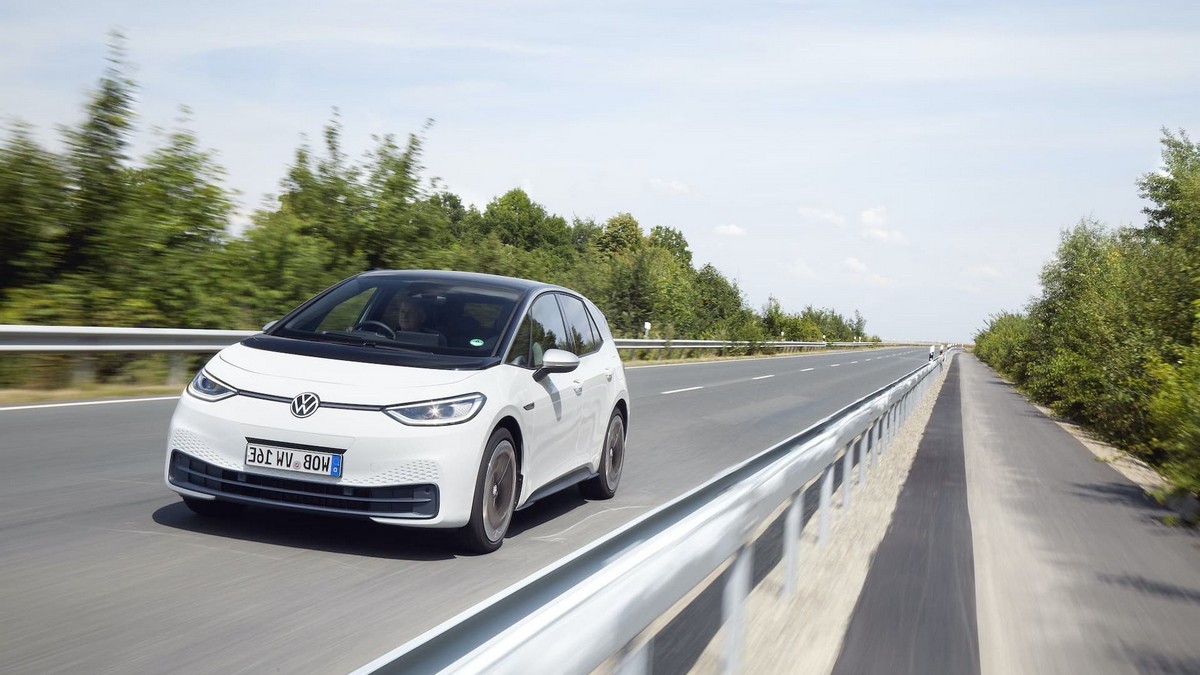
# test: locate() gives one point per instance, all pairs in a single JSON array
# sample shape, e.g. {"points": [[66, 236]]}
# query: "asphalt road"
{"points": [[1013, 550], [916, 612], [1074, 570], [102, 569]]}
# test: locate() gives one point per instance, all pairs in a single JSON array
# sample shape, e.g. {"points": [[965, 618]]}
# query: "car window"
{"points": [[346, 315], [518, 354], [542, 329], [579, 326], [435, 316]]}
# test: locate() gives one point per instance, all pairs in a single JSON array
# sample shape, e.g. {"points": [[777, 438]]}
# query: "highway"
{"points": [[102, 569]]}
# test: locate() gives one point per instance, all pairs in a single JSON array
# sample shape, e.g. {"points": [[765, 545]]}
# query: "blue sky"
{"points": [[911, 160]]}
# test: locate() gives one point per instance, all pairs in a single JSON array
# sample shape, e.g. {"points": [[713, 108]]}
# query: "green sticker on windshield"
{"points": [[476, 342]]}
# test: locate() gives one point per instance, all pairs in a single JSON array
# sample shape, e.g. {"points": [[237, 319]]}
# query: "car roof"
{"points": [[449, 276]]}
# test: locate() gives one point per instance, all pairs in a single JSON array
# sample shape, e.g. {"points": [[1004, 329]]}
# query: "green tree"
{"points": [[175, 228], [672, 240], [33, 198], [519, 221], [96, 163], [719, 302], [622, 234]]}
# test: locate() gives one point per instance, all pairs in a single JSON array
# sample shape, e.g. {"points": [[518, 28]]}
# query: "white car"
{"points": [[416, 398]]}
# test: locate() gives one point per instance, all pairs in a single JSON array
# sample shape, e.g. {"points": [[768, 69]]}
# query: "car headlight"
{"points": [[208, 388], [436, 413]]}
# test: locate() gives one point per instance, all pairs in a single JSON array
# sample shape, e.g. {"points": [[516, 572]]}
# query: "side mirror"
{"points": [[556, 361], [269, 324]]}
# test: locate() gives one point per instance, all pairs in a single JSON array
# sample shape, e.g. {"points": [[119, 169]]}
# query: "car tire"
{"points": [[213, 508], [495, 495], [612, 461]]}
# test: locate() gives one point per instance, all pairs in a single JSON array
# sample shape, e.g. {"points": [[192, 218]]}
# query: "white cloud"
{"points": [[670, 187], [855, 265], [730, 230], [884, 235], [861, 275], [822, 215], [874, 217], [801, 269]]}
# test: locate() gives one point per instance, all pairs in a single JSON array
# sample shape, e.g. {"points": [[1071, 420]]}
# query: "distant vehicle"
{"points": [[417, 398]]}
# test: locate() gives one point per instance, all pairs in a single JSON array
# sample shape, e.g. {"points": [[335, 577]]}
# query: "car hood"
{"points": [[279, 374]]}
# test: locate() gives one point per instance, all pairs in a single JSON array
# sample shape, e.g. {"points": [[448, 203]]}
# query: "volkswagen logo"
{"points": [[305, 404]]}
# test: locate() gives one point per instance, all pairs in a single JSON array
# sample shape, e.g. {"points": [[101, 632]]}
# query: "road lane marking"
{"points": [[868, 359], [762, 377], [835, 365], [676, 391], [557, 536], [67, 405], [853, 362], [805, 370]]}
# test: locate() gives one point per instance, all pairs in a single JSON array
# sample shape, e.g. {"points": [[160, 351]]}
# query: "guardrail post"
{"points": [[848, 471], [893, 417], [863, 449], [733, 608], [826, 498], [791, 543], [881, 440], [636, 659], [83, 370], [175, 369], [888, 429]]}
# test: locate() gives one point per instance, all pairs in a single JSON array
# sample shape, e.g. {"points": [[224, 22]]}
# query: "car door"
{"points": [[590, 380], [550, 406]]}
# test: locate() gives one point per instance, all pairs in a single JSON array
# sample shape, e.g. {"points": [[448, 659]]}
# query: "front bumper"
{"points": [[393, 501], [394, 474]]}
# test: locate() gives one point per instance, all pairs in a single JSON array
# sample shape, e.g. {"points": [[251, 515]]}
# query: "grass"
{"points": [[85, 393]]}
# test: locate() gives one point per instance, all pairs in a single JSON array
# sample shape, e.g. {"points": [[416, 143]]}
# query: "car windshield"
{"points": [[440, 317]]}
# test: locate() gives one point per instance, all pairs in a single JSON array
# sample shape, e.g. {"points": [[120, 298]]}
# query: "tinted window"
{"points": [[546, 328], [579, 325], [518, 354]]}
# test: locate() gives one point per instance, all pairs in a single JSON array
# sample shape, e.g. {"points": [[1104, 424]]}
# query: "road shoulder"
{"points": [[1074, 570]]}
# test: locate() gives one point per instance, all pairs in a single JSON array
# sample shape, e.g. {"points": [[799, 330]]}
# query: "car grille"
{"points": [[390, 501]]}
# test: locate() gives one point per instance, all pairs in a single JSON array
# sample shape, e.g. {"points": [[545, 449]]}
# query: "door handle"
{"points": [[608, 373], [577, 386]]}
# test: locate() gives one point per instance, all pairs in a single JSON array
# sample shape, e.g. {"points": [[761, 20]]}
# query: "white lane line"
{"points": [[67, 405], [853, 362], [868, 359], [762, 377], [676, 391], [557, 536], [834, 365], [805, 370]]}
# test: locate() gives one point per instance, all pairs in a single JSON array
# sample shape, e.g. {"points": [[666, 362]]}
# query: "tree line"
{"points": [[1113, 341], [89, 236]]}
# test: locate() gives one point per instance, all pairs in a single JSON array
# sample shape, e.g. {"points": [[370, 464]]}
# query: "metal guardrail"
{"points": [[103, 339], [84, 339], [596, 606]]}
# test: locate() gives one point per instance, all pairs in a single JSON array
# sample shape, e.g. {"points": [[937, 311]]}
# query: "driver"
{"points": [[412, 317]]}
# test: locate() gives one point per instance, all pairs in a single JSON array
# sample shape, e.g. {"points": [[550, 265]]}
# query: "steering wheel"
{"points": [[377, 327]]}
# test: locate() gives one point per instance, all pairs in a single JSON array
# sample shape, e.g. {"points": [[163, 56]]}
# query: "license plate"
{"points": [[291, 459]]}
